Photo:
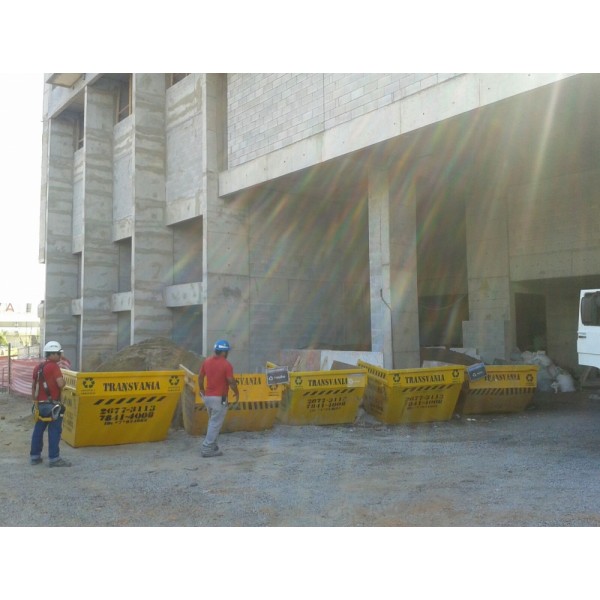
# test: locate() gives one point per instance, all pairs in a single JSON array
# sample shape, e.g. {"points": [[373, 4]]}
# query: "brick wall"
{"points": [[268, 111]]}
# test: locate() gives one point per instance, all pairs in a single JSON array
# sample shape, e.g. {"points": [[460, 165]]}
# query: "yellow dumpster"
{"points": [[322, 397], [111, 408], [256, 410], [412, 395], [504, 389]]}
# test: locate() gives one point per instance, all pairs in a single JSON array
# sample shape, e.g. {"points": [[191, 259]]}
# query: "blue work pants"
{"points": [[37, 439]]}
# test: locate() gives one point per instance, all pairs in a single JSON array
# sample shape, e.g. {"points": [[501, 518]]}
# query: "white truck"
{"points": [[588, 330]]}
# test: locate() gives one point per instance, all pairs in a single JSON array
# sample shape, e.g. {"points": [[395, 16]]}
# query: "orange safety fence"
{"points": [[21, 375]]}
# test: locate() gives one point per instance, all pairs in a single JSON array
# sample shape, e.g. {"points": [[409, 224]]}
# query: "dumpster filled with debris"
{"points": [[322, 397], [503, 389], [412, 395], [126, 407], [256, 410]]}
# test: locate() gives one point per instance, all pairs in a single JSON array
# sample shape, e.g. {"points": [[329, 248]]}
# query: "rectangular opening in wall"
{"points": [[440, 320], [79, 130], [187, 327], [123, 330], [530, 316], [187, 251], [124, 96], [173, 78], [79, 281], [124, 283]]}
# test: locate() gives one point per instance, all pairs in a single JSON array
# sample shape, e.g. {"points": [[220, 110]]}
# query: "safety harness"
{"points": [[47, 410]]}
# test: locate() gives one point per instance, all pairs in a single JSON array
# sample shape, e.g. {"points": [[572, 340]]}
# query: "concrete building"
{"points": [[379, 212]]}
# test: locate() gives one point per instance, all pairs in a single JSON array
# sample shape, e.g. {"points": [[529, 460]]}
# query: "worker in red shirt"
{"points": [[47, 385], [218, 372]]}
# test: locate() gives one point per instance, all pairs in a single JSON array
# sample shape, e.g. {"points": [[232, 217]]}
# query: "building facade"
{"points": [[380, 212]]}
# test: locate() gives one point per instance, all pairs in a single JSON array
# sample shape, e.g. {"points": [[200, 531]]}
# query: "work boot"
{"points": [[210, 452], [61, 462]]}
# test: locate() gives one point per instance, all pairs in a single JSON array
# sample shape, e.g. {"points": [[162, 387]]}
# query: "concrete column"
{"points": [[393, 271], [61, 264], [490, 328], [99, 258], [403, 273], [152, 244], [225, 243], [379, 265]]}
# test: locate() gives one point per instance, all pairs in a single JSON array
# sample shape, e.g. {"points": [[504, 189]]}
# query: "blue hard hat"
{"points": [[222, 345]]}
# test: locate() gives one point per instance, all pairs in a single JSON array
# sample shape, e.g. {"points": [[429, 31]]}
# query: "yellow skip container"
{"points": [[111, 408], [412, 395], [322, 397], [504, 389], [256, 410]]}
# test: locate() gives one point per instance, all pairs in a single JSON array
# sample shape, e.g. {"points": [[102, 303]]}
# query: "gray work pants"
{"points": [[216, 416]]}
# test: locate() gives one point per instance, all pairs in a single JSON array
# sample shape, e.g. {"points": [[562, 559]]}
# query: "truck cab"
{"points": [[588, 330]]}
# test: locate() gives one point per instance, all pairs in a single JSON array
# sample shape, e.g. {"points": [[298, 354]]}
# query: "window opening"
{"points": [[124, 99], [173, 78]]}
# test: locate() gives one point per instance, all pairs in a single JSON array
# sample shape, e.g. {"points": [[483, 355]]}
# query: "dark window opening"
{"points": [[173, 78], [124, 99], [530, 314]]}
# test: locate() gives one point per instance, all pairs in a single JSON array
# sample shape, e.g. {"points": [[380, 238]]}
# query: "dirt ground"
{"points": [[538, 468]]}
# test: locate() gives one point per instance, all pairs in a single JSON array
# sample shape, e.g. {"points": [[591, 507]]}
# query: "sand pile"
{"points": [[154, 354]]}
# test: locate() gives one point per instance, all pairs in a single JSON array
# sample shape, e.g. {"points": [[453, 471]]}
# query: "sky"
{"points": [[21, 274]]}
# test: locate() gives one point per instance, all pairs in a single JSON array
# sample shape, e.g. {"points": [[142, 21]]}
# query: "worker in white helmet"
{"points": [[46, 390]]}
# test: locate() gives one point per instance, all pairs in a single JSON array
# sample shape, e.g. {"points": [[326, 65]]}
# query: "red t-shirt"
{"points": [[216, 369], [52, 372]]}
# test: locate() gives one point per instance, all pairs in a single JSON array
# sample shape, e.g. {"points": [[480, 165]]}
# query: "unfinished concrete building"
{"points": [[380, 212]]}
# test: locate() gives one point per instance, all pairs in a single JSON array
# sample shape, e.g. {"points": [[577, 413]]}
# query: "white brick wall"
{"points": [[268, 111]]}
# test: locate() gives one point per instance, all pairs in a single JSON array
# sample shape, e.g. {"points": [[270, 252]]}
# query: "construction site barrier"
{"points": [[256, 411], [111, 408], [412, 395], [322, 397], [21, 374], [504, 389]]}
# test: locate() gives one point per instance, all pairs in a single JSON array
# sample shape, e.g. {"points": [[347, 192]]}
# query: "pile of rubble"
{"points": [[550, 377], [154, 354]]}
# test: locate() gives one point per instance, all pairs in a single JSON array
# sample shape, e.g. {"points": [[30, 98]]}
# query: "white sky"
{"points": [[21, 275]]}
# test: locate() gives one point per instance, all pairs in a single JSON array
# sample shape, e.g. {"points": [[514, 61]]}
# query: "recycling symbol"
{"points": [[272, 387], [88, 383], [396, 378], [174, 379], [298, 380], [455, 373], [529, 377]]}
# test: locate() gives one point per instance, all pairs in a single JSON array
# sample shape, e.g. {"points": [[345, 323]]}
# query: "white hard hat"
{"points": [[53, 347]]}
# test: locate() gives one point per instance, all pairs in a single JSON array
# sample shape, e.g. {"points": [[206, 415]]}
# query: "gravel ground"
{"points": [[537, 468]]}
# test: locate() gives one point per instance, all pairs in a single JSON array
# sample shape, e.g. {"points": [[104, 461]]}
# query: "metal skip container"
{"points": [[412, 395], [256, 410], [323, 397], [111, 408], [504, 389]]}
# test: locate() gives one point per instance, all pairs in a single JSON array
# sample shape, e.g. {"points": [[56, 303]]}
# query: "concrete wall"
{"points": [[308, 275], [553, 227], [184, 123]]}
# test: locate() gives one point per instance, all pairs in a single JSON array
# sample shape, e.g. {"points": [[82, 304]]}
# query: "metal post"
{"points": [[9, 379]]}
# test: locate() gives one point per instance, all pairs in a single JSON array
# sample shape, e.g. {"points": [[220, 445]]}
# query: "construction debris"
{"points": [[154, 354]]}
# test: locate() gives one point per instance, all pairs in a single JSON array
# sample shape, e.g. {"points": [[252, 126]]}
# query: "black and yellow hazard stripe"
{"points": [[249, 406], [135, 400], [501, 391]]}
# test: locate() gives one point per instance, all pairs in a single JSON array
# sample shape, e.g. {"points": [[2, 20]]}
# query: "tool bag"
{"points": [[46, 410]]}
